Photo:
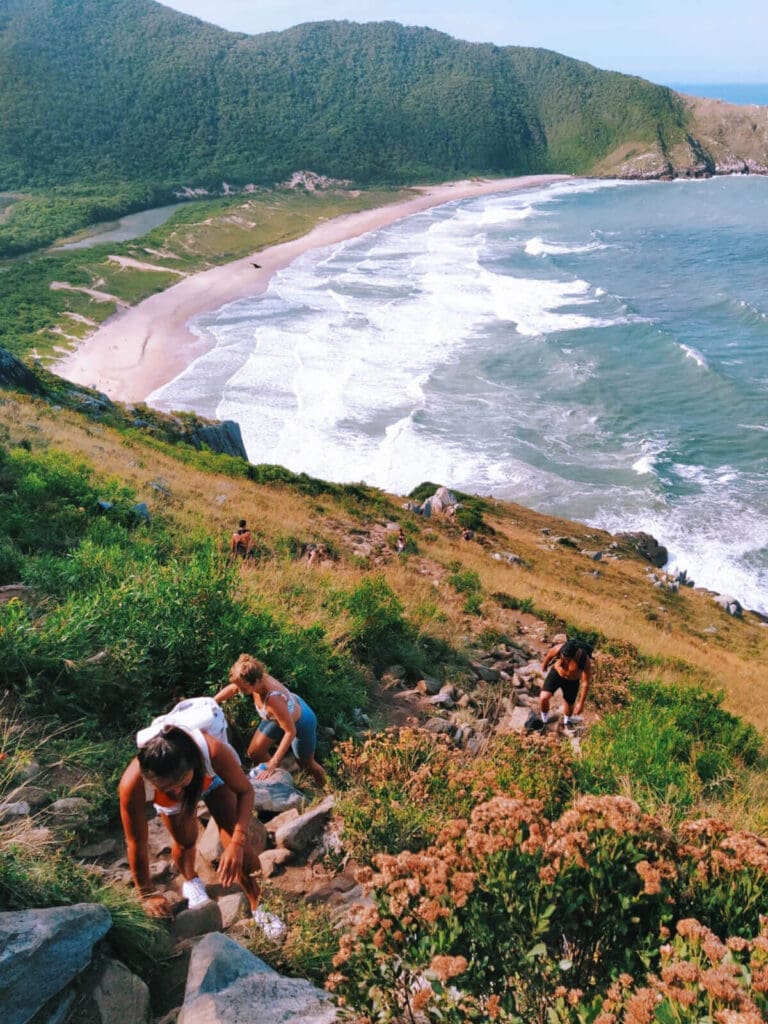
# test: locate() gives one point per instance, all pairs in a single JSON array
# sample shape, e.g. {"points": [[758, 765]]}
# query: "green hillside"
{"points": [[128, 90], [644, 847]]}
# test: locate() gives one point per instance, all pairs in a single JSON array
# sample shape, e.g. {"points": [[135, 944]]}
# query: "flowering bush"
{"points": [[510, 916], [700, 979], [400, 786]]}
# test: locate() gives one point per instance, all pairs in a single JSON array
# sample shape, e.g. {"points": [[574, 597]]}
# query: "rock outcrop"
{"points": [[42, 951], [14, 374], [644, 545], [224, 437], [227, 984]]}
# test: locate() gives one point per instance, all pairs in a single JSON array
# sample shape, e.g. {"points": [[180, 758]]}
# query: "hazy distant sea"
{"points": [[592, 349], [731, 92]]}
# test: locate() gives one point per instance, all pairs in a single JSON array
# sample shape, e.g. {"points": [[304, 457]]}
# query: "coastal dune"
{"points": [[144, 347]]}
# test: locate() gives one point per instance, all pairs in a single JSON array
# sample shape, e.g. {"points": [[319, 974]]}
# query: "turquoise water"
{"points": [[597, 350]]}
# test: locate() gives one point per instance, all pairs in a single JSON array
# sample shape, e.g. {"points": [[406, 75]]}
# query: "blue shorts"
{"points": [[305, 743]]}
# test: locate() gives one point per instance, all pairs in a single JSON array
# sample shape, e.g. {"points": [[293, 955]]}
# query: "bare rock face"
{"points": [[42, 951], [14, 374], [229, 985], [644, 545], [224, 437]]}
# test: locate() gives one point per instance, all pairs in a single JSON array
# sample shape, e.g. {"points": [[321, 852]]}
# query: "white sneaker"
{"points": [[194, 893], [270, 924]]}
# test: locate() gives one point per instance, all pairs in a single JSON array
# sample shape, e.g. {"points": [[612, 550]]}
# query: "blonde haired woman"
{"points": [[286, 719]]}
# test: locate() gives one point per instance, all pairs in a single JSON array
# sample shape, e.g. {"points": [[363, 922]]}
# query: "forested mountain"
{"points": [[100, 90]]}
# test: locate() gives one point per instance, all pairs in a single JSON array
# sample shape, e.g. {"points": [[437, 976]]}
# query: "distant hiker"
{"points": [[571, 670], [174, 769], [314, 553], [400, 541], [242, 541], [286, 719]]}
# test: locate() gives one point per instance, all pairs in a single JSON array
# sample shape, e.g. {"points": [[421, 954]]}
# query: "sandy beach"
{"points": [[143, 347]]}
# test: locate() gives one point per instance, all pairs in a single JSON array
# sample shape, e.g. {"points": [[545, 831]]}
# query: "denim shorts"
{"points": [[305, 743]]}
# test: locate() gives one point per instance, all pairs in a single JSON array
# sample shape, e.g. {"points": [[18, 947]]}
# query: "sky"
{"points": [[666, 41]]}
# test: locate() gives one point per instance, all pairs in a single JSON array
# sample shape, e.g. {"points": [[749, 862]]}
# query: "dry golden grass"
{"points": [[613, 597]]}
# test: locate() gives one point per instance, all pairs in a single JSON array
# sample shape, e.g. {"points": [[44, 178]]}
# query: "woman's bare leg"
{"points": [[222, 804], [184, 831]]}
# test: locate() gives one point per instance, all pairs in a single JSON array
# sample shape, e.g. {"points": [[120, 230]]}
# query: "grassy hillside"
{"points": [[115, 617], [129, 90]]}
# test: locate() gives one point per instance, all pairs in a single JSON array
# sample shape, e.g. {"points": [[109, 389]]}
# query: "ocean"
{"points": [[591, 349], [742, 93]]}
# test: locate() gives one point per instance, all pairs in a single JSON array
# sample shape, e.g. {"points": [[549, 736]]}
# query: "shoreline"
{"points": [[143, 347]]}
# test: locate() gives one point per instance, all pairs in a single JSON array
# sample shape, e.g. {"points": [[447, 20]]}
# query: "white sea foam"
{"points": [[715, 552], [644, 465], [425, 351], [693, 353], [538, 247]]}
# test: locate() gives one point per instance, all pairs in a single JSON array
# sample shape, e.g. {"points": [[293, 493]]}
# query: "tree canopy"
{"points": [[129, 90]]}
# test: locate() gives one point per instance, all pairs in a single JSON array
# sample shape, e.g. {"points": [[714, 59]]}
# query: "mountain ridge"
{"points": [[119, 90]]}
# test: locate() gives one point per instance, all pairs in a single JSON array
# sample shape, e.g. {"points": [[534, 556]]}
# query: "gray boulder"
{"points": [[115, 994], [488, 675], [729, 605], [69, 812], [227, 984], [41, 951], [14, 374], [298, 835], [429, 685], [277, 793], [644, 545], [13, 809]]}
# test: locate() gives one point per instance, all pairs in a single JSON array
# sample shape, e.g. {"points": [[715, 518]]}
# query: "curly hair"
{"points": [[247, 668]]}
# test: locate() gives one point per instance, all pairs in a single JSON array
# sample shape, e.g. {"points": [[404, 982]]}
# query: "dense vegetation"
{"points": [[36, 220], [129, 90], [35, 315]]}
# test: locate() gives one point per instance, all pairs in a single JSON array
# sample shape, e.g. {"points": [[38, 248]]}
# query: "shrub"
{"points": [[467, 582], [513, 917], [378, 632], [470, 518], [309, 945], [701, 978], [400, 786], [670, 744], [396, 790], [34, 876], [48, 499], [10, 561]]}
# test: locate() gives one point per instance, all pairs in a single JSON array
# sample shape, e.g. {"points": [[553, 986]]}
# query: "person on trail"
{"points": [[400, 541], [315, 553], [242, 541], [174, 769], [571, 671], [286, 719]]}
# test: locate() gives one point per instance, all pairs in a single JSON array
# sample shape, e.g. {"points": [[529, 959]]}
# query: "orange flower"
{"points": [[447, 967]]}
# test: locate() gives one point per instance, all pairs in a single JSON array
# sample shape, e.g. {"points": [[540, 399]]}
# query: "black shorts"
{"points": [[555, 681]]}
